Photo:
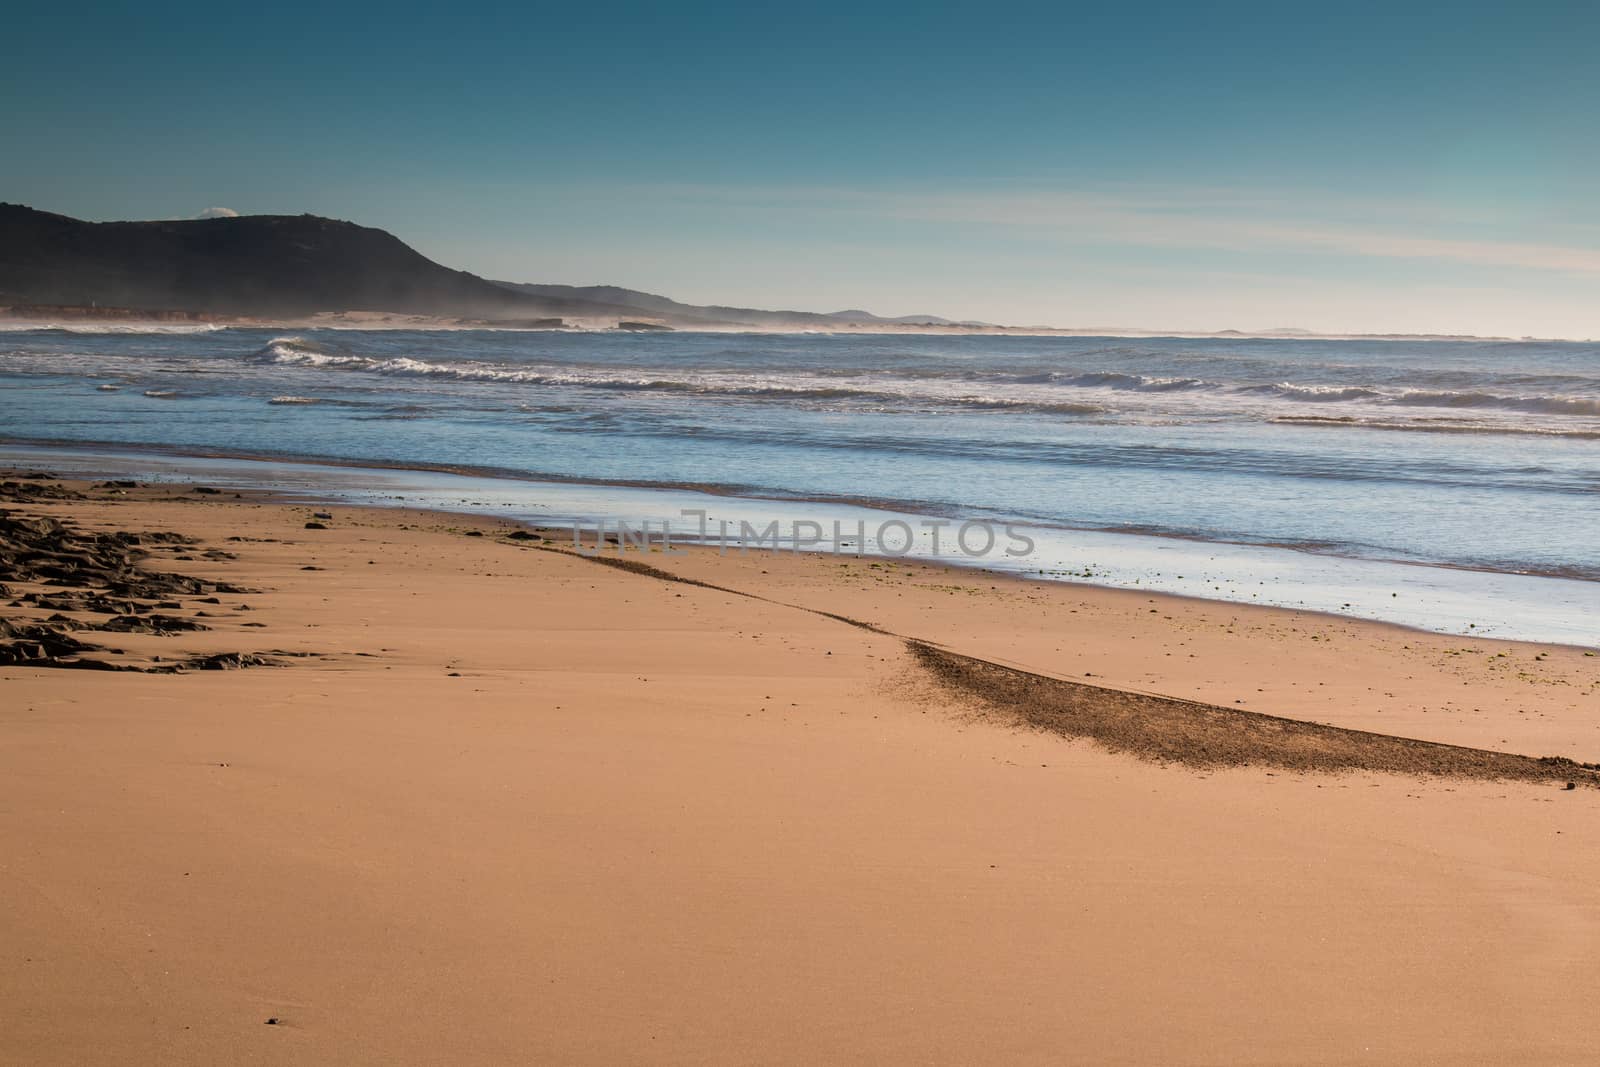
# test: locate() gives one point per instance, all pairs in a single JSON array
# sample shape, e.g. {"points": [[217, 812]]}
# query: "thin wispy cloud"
{"points": [[1222, 220]]}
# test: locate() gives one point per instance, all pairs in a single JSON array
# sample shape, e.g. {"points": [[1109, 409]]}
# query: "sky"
{"points": [[1378, 168]]}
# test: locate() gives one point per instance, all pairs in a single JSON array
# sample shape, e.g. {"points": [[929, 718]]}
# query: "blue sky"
{"points": [[1181, 166]]}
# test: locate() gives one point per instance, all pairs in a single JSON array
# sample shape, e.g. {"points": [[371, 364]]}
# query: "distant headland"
{"points": [[273, 269]]}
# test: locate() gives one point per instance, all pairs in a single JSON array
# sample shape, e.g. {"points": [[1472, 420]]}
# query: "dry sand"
{"points": [[524, 808]]}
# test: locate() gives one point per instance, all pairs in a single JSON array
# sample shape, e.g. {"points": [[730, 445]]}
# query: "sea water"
{"points": [[1452, 485]]}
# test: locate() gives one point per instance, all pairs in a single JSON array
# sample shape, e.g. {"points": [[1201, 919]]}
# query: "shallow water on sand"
{"points": [[1442, 599]]}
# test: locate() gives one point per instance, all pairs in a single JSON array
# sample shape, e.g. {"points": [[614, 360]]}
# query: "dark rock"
{"points": [[31, 490], [151, 624], [41, 645], [228, 661], [168, 537]]}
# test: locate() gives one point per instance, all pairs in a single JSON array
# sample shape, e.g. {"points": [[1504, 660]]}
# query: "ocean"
{"points": [[1451, 485]]}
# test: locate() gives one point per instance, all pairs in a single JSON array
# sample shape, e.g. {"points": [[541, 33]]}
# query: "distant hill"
{"points": [[281, 266], [253, 265]]}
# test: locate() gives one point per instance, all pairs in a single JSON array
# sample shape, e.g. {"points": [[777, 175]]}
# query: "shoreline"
{"points": [[744, 573], [728, 490], [1460, 592]]}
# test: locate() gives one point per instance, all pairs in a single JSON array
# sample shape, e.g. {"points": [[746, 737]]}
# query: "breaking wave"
{"points": [[292, 351], [1542, 405], [1315, 394], [1351, 422], [961, 390], [1132, 382], [129, 329], [1535, 404]]}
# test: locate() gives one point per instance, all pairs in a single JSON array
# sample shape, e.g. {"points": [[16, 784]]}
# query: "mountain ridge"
{"points": [[299, 265]]}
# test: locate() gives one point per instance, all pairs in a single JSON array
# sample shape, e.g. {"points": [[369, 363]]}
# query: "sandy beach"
{"points": [[490, 801]]}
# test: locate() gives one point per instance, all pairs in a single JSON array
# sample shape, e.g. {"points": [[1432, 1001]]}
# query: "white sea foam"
{"points": [[112, 329], [1041, 392], [294, 351]]}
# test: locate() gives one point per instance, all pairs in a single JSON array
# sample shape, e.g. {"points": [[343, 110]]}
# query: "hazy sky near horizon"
{"points": [[1366, 167]]}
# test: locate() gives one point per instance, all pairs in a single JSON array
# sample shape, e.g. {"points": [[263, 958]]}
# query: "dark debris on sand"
{"points": [[94, 574], [33, 489], [1170, 730]]}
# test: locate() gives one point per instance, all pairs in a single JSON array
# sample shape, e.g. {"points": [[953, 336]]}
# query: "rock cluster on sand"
{"points": [[96, 574]]}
